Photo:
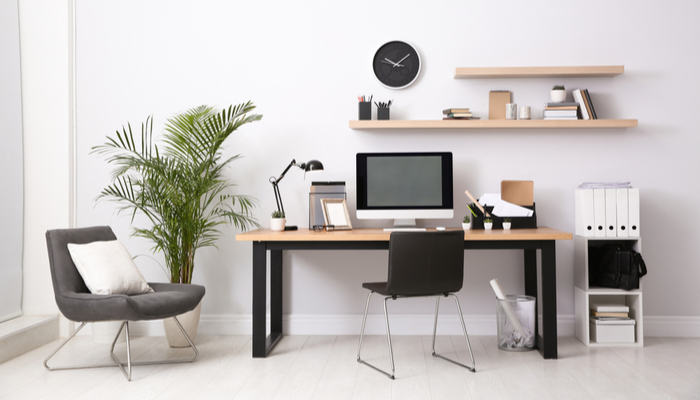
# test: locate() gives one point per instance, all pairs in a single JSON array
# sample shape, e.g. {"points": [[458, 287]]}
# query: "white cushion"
{"points": [[107, 268]]}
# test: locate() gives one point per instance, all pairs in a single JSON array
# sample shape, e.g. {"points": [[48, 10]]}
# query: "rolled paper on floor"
{"points": [[510, 313]]}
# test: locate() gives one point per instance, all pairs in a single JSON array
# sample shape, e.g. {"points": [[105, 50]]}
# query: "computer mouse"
{"points": [[440, 228]]}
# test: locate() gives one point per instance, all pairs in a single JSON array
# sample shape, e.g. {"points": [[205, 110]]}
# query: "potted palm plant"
{"points": [[178, 183]]}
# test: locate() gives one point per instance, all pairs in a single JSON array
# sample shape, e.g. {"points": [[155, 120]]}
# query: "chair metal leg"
{"points": [[388, 334], [464, 329], [117, 362]]}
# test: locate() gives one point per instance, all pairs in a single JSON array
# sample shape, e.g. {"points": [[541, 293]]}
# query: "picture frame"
{"points": [[335, 212]]}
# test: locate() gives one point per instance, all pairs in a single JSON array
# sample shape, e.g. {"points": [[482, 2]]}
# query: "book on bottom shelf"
{"points": [[609, 314], [609, 307]]}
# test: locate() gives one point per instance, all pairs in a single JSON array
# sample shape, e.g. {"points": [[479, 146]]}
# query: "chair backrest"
{"points": [[423, 263], [64, 274]]}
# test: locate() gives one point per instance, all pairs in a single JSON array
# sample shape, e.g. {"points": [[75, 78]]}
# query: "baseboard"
{"points": [[315, 324], [658, 326]]}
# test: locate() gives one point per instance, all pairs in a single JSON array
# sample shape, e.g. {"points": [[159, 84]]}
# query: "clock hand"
{"points": [[403, 59], [395, 64]]}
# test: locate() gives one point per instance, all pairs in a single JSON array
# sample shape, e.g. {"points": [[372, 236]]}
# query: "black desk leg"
{"points": [[276, 292], [259, 298], [262, 344], [549, 299], [531, 278]]}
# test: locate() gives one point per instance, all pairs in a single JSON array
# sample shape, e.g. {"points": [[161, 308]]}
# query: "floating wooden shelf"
{"points": [[539, 72], [493, 124]]}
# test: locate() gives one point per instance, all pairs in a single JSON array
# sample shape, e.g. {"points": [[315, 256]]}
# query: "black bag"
{"points": [[614, 267]]}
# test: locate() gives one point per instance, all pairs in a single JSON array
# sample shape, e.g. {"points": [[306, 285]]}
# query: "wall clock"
{"points": [[396, 64]]}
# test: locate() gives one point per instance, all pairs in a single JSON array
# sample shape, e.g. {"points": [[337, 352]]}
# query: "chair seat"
{"points": [[383, 289], [166, 301]]}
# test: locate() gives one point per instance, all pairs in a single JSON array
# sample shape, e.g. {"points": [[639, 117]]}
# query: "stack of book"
{"points": [[584, 99], [611, 323], [458, 113], [561, 111]]}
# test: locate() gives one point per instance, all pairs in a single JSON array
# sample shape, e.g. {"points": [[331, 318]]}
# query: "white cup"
{"points": [[525, 112], [511, 111]]}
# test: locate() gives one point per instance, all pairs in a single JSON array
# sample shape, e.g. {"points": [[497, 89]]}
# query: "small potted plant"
{"points": [[558, 94], [506, 223], [277, 221], [488, 223], [466, 223]]}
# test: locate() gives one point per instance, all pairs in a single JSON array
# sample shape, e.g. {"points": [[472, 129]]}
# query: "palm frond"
{"points": [[182, 189]]}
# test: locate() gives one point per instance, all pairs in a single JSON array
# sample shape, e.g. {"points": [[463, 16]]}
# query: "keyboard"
{"points": [[405, 229]]}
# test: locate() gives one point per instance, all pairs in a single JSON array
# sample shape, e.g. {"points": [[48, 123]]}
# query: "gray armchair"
{"points": [[76, 302]]}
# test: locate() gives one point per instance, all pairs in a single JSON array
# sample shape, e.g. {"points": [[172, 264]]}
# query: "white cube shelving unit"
{"points": [[585, 295]]}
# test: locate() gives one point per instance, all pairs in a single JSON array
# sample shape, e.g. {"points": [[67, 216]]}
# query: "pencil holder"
{"points": [[383, 113], [365, 110]]}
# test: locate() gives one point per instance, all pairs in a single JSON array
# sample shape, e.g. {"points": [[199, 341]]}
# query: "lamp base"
{"points": [[290, 228]]}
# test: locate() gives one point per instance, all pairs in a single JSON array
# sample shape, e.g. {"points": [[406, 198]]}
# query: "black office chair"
{"points": [[76, 302], [421, 264]]}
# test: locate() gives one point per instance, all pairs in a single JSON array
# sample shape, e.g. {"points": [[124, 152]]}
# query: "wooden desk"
{"points": [[528, 240]]}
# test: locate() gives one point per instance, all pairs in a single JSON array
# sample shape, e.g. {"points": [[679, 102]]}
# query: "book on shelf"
{"points": [[562, 108], [462, 114], [560, 105], [602, 307], [588, 99], [609, 314], [459, 118], [574, 118], [455, 110], [560, 113], [578, 96], [619, 321]]}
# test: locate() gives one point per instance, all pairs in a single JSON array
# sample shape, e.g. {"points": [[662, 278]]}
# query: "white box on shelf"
{"points": [[612, 331]]}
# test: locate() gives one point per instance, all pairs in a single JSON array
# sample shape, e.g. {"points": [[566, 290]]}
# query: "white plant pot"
{"points": [[467, 226], [558, 96], [104, 332], [488, 225], [277, 224], [189, 322], [506, 225]]}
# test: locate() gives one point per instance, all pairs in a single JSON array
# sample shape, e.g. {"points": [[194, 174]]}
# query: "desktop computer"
{"points": [[404, 187]]}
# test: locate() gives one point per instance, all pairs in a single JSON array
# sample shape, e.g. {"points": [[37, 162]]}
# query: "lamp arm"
{"points": [[278, 198], [275, 181]]}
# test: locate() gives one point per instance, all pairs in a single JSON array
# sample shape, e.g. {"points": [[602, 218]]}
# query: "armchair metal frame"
{"points": [[117, 362]]}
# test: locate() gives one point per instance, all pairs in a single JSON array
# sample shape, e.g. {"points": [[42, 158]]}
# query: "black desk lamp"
{"points": [[312, 165]]}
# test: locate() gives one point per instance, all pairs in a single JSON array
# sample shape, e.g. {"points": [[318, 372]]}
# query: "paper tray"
{"points": [[516, 222]]}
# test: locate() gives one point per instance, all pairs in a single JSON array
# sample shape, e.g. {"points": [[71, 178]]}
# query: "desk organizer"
{"points": [[516, 222]]}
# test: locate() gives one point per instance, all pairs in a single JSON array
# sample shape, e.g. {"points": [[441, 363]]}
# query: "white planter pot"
{"points": [[558, 96], [104, 332], [506, 225], [467, 226], [277, 224], [189, 322], [488, 225]]}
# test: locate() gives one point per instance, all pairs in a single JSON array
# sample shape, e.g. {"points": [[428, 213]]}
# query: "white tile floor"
{"points": [[324, 367]]}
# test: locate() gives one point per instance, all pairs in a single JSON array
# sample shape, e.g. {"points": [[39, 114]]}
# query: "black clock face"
{"points": [[396, 64]]}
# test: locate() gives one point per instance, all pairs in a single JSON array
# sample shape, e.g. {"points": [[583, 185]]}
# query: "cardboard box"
{"points": [[497, 103], [612, 333], [520, 193]]}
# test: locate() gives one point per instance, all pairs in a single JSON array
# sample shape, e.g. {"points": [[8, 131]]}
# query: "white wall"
{"points": [[304, 63]]}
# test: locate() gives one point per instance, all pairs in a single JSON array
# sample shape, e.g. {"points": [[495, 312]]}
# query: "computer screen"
{"points": [[404, 186]]}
